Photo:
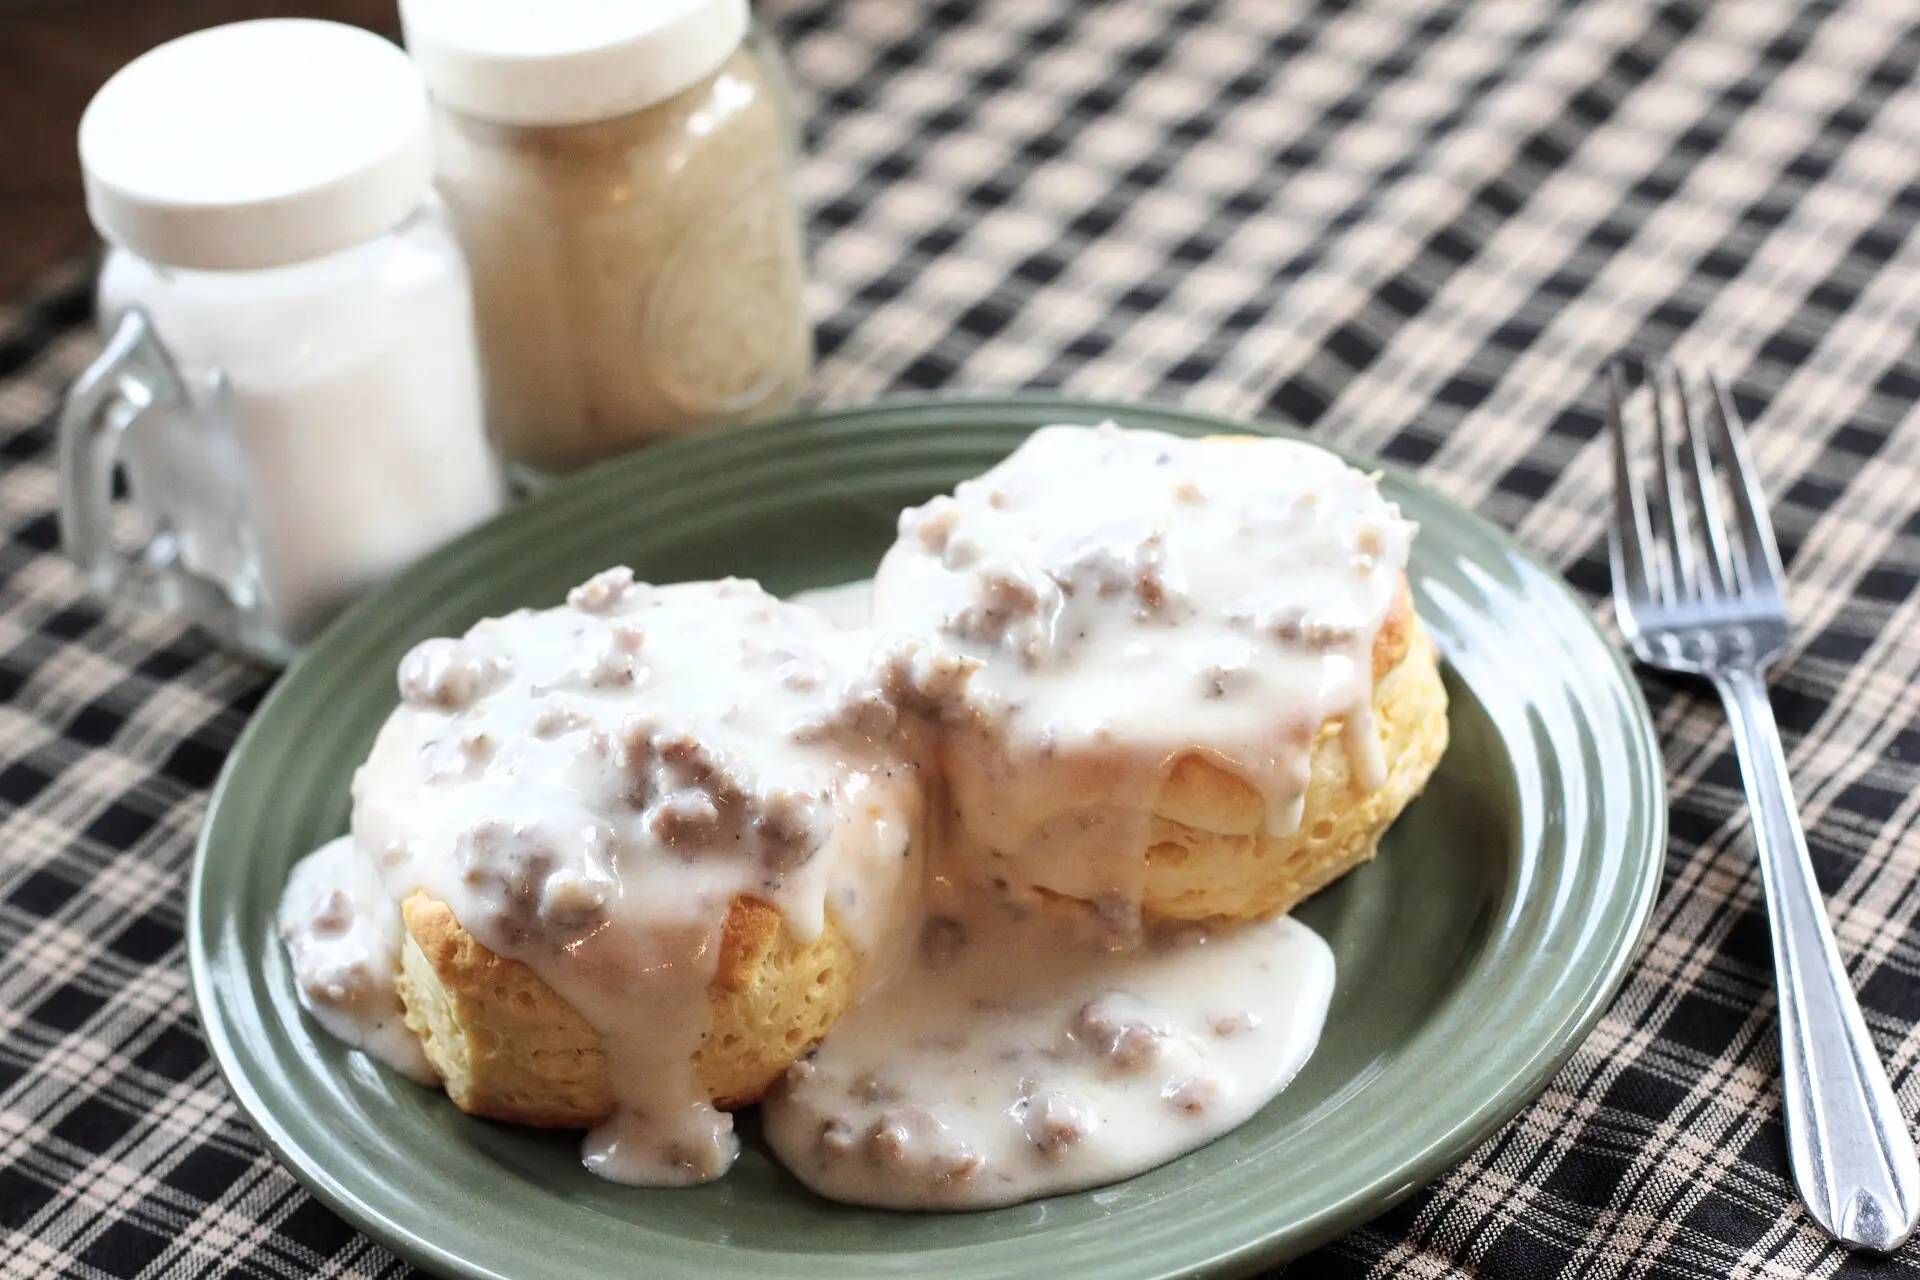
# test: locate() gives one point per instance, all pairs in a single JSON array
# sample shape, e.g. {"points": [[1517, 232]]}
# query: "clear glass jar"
{"points": [[638, 270], [290, 378], [324, 429]]}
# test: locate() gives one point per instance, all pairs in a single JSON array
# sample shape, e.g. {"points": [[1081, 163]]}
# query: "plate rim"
{"points": [[1287, 1239]]}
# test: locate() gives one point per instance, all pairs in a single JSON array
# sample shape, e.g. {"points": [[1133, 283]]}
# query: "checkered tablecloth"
{"points": [[1418, 228]]}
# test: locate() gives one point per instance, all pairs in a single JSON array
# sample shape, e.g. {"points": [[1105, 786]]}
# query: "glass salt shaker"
{"points": [[620, 173], [290, 378]]}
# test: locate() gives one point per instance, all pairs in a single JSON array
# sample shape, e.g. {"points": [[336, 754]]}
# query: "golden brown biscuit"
{"points": [[1208, 855], [1128, 740], [509, 1048], [1198, 793], [1206, 850]]}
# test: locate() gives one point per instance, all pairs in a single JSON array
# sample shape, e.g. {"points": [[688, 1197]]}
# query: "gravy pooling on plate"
{"points": [[342, 933], [1047, 644], [1017, 1057]]}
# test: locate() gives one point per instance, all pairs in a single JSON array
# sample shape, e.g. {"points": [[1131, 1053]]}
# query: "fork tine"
{"points": [[1749, 501], [1627, 533], [1717, 576], [1685, 579]]}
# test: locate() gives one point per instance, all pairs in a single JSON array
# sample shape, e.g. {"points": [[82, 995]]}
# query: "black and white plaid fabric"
{"points": [[1418, 228]]}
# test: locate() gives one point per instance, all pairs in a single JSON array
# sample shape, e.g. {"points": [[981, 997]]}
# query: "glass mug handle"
{"points": [[133, 374]]}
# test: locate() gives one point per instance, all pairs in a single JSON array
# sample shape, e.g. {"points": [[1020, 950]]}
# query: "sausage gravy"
{"points": [[1013, 1060], [589, 787], [1132, 598]]}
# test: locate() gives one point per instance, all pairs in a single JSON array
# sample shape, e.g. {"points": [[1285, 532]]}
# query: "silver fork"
{"points": [[1709, 603]]}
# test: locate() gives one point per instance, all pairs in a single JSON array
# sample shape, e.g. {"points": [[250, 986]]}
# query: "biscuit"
{"points": [[509, 1048], [1208, 855]]}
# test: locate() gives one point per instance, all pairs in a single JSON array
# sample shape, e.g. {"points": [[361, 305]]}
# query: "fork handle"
{"points": [[1849, 1146]]}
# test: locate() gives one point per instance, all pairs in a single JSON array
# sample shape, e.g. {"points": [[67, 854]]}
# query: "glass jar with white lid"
{"points": [[290, 379], [620, 173]]}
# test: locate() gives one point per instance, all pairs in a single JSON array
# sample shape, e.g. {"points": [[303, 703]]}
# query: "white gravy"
{"points": [[1133, 597], [589, 787], [845, 604], [342, 934], [1012, 1061]]}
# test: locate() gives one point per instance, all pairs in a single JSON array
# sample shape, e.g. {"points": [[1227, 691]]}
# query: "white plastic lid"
{"points": [[257, 145], [558, 62]]}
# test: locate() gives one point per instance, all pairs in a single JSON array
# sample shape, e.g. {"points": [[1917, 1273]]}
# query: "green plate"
{"points": [[1473, 954]]}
